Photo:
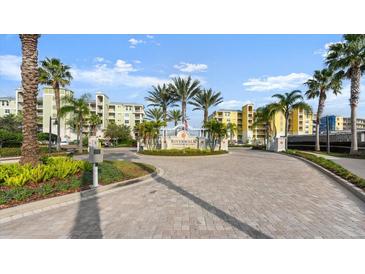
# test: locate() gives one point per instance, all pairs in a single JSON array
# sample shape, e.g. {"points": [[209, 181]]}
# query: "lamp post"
{"points": [[50, 132]]}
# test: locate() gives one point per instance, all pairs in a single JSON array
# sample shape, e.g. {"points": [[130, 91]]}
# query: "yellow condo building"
{"points": [[300, 122]]}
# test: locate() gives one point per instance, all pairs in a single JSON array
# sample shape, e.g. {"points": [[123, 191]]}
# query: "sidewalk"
{"points": [[356, 166]]}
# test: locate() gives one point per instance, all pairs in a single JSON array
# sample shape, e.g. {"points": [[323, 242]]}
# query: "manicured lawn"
{"points": [[182, 152], [331, 166], [339, 154], [18, 186]]}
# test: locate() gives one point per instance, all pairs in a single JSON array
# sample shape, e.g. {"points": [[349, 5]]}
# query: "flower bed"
{"points": [[57, 176], [331, 166], [182, 152]]}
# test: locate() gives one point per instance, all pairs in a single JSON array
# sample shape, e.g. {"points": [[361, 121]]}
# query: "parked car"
{"points": [[64, 143]]}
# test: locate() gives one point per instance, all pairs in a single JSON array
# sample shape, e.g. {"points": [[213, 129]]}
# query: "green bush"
{"points": [[331, 166], [15, 175], [182, 152]]}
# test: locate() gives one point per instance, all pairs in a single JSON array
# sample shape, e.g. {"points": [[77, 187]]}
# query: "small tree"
{"points": [[118, 133], [231, 129], [11, 122], [79, 109], [94, 121], [216, 132]]}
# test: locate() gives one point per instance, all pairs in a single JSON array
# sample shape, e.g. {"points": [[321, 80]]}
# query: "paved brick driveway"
{"points": [[246, 194]]}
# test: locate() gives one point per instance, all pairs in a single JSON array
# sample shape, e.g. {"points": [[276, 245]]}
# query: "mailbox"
{"points": [[95, 152]]}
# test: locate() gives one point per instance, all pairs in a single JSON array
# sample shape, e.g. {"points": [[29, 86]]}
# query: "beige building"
{"points": [[7, 106], [128, 114], [360, 123]]}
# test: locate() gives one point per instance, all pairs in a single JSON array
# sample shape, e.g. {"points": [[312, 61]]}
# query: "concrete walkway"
{"points": [[356, 166], [246, 194]]}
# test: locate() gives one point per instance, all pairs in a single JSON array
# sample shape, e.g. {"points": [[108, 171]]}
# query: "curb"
{"points": [[13, 213], [182, 157], [346, 184]]}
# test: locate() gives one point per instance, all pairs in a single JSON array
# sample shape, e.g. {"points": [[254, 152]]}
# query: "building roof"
{"points": [[230, 110], [123, 103]]}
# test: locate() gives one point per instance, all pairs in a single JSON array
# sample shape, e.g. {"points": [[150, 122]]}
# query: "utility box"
{"points": [[95, 151], [277, 144]]}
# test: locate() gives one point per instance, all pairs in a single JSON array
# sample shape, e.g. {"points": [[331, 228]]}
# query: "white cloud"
{"points": [[188, 67], [137, 61], [134, 42], [233, 104], [10, 67], [99, 59], [202, 80], [324, 51], [281, 82], [116, 75], [123, 66], [149, 36]]}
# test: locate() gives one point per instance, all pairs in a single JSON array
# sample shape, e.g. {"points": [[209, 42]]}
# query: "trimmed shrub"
{"points": [[182, 152]]}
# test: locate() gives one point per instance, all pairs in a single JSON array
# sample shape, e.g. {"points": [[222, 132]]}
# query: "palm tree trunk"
{"points": [[354, 100], [56, 88], [205, 116], [318, 119], [286, 130], [80, 136], [183, 110], [29, 73]]}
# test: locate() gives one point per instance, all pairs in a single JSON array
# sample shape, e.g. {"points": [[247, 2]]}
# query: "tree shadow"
{"points": [[245, 228], [87, 221]]}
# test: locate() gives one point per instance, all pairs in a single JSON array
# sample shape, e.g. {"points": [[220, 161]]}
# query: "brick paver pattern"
{"points": [[246, 194]]}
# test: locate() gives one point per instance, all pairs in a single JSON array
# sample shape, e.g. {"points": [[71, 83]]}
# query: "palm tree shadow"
{"points": [[245, 228], [87, 221]]}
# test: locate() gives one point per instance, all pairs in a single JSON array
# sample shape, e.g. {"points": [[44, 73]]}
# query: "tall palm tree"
{"points": [[161, 97], [79, 108], [94, 121], [154, 114], [286, 104], [29, 74], [205, 99], [184, 90], [264, 116], [175, 115], [55, 74], [348, 58], [322, 82]]}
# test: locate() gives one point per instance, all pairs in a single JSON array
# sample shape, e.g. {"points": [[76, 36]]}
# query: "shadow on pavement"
{"points": [[245, 228], [87, 221]]}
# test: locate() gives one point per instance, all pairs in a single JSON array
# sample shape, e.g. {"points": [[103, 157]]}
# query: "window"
{"points": [[126, 115], [7, 111], [126, 121]]}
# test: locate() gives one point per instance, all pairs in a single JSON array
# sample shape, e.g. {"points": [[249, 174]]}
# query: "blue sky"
{"points": [[245, 68]]}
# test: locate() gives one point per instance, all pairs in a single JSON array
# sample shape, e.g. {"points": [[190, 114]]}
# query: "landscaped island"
{"points": [[56, 176], [182, 152]]}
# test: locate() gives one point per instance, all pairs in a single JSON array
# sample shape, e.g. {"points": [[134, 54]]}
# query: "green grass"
{"points": [[182, 152], [109, 172], [16, 151], [331, 166], [341, 154], [244, 145]]}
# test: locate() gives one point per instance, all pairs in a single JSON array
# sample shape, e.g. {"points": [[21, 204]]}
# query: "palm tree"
{"points": [[94, 121], [205, 99], [55, 74], [323, 81], [216, 131], [175, 115], [161, 97], [264, 116], [231, 129], [79, 108], [184, 90], [154, 114], [29, 74], [286, 104], [348, 58]]}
